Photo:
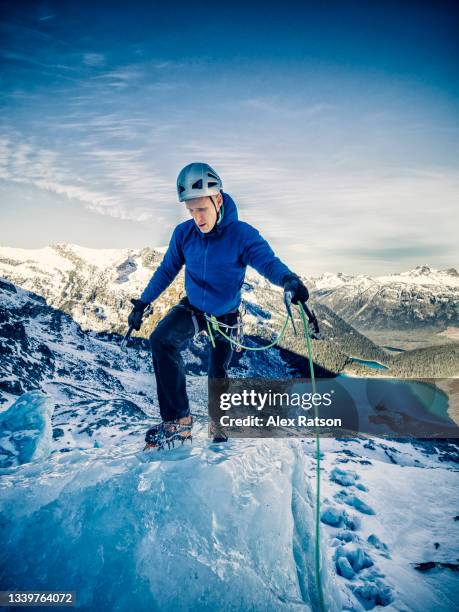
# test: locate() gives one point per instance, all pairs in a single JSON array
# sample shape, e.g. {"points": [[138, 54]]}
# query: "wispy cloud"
{"points": [[93, 129], [283, 107], [127, 186], [17, 30], [122, 77], [47, 17], [94, 59]]}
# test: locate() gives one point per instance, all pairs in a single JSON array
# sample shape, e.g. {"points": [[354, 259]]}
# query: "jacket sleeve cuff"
{"points": [[289, 276]]}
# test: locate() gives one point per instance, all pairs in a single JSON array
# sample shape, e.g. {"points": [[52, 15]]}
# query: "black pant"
{"points": [[169, 336]]}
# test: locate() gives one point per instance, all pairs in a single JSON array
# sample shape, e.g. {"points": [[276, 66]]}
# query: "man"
{"points": [[215, 248]]}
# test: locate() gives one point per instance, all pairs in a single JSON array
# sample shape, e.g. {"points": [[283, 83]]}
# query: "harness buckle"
{"points": [[239, 333]]}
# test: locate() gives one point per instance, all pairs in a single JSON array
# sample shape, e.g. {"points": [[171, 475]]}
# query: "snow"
{"points": [[412, 508], [25, 429], [46, 257], [53, 256], [101, 258], [330, 280], [423, 275], [345, 478]]}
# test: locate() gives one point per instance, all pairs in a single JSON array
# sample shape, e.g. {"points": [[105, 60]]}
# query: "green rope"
{"points": [[209, 331], [216, 327], [317, 518]]}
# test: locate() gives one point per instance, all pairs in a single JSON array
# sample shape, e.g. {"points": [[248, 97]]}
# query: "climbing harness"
{"points": [[213, 324], [310, 330], [236, 332]]}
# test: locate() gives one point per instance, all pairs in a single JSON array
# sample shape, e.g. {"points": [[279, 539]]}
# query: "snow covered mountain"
{"points": [[418, 298], [94, 286], [200, 527]]}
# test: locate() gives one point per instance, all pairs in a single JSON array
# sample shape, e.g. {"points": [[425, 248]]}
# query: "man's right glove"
{"points": [[135, 318], [294, 285]]}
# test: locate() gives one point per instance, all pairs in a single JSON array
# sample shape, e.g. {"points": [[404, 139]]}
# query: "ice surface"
{"points": [[345, 478], [356, 502], [374, 594], [336, 516], [25, 429], [196, 528]]}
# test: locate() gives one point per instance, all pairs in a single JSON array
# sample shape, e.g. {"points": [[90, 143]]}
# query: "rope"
{"points": [[317, 517], [213, 323], [216, 326]]}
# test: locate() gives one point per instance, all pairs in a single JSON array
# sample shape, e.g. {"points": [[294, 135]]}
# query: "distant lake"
{"points": [[370, 364], [401, 398]]}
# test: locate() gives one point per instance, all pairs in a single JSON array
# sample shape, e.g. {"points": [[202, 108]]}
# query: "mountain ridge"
{"points": [[95, 287]]}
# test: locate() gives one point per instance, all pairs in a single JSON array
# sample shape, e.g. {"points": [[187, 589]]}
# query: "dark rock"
{"points": [[103, 362], [11, 386], [45, 351], [15, 332], [425, 566], [6, 286]]}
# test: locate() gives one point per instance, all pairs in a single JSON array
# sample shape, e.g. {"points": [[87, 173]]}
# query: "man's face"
{"points": [[203, 212]]}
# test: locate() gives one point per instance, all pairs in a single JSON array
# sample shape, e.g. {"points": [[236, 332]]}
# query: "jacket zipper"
{"points": [[204, 277]]}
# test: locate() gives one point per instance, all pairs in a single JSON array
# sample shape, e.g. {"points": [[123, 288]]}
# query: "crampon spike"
{"points": [[152, 447]]}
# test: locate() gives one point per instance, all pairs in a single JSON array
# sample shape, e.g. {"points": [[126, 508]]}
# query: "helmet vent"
{"points": [[198, 180]]}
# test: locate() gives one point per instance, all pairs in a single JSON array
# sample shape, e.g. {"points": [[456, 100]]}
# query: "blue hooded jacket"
{"points": [[215, 262]]}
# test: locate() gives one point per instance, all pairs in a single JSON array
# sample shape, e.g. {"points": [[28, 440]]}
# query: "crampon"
{"points": [[169, 433]]}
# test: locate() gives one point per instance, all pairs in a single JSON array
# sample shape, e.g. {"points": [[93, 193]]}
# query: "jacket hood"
{"points": [[230, 211]]}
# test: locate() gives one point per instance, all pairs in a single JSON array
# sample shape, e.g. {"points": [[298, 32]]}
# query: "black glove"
{"points": [[295, 286], [135, 318]]}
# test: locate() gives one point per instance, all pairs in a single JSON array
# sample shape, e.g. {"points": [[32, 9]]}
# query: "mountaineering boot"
{"points": [[169, 432]]}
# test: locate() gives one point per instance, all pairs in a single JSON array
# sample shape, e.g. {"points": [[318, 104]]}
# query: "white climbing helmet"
{"points": [[197, 180]]}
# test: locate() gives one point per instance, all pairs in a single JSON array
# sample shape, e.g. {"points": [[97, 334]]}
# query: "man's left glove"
{"points": [[295, 286], [135, 318]]}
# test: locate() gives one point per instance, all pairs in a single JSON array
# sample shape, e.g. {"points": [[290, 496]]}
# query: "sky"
{"points": [[333, 125]]}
